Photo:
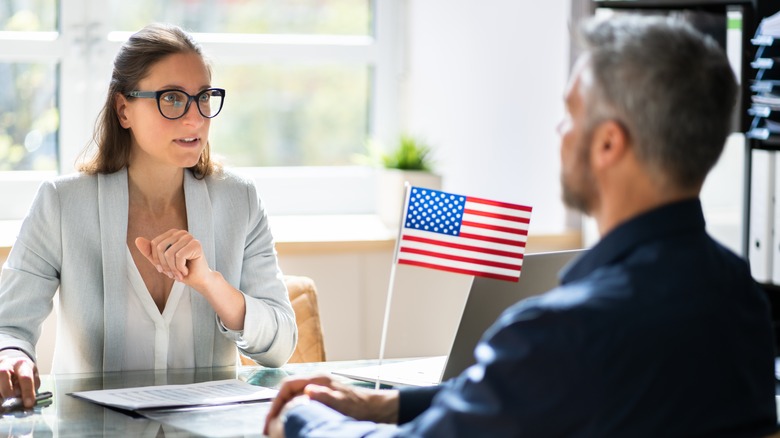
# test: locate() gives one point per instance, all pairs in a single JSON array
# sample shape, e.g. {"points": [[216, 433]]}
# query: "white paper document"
{"points": [[219, 392]]}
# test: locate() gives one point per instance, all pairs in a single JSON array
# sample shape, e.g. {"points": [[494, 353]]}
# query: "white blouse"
{"points": [[157, 340]]}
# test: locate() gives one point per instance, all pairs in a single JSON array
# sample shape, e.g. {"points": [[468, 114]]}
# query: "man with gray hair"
{"points": [[657, 330]]}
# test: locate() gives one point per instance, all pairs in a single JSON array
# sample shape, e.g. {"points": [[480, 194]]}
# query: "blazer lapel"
{"points": [[112, 209], [201, 226]]}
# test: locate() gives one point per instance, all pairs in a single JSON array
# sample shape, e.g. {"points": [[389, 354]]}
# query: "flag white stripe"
{"points": [[462, 253], [463, 240], [493, 233], [498, 210], [457, 264], [495, 221]]}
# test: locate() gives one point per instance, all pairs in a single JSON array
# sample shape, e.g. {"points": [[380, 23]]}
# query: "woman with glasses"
{"points": [[162, 258]]}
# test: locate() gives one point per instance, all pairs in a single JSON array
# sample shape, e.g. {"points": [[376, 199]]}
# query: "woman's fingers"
{"points": [[18, 376], [171, 252]]}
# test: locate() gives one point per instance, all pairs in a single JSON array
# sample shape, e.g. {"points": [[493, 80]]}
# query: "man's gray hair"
{"points": [[671, 88]]}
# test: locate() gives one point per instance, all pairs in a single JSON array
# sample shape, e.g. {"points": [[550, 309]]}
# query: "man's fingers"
{"points": [[290, 389], [325, 395], [274, 429]]}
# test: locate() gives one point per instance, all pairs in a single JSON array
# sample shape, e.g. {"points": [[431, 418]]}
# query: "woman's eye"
{"points": [[171, 98]]}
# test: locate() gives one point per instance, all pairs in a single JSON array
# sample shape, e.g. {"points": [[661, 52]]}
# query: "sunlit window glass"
{"points": [[29, 118], [333, 17], [28, 15], [276, 114], [291, 115]]}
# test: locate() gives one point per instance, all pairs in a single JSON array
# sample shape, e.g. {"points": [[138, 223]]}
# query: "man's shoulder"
{"points": [[578, 305]]}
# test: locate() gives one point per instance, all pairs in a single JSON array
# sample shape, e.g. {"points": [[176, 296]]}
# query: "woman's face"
{"points": [[161, 142]]}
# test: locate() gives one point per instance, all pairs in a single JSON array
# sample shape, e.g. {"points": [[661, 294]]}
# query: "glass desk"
{"points": [[69, 416]]}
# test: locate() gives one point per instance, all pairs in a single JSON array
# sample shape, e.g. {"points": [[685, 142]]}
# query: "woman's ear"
{"points": [[121, 111]]}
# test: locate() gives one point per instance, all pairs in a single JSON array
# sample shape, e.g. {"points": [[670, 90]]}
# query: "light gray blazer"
{"points": [[74, 239]]}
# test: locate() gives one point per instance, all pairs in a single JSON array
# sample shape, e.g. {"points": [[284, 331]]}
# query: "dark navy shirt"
{"points": [[658, 330]]}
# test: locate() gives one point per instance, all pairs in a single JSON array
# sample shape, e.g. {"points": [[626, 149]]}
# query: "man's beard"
{"points": [[579, 189]]}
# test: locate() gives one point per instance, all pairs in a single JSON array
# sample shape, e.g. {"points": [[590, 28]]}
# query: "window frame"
{"points": [[85, 47]]}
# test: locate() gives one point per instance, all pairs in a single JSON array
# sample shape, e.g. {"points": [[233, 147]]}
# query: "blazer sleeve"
{"points": [[30, 276], [270, 333], [412, 401], [317, 420]]}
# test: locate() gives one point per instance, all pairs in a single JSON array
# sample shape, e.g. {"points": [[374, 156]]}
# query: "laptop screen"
{"points": [[489, 297]]}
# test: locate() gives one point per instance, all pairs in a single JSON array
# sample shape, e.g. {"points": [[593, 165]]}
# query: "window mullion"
{"points": [[387, 71], [83, 78]]}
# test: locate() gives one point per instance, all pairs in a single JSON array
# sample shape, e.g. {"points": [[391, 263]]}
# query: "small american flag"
{"points": [[463, 234]]}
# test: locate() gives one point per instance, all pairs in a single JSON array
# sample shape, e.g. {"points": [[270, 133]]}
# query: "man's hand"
{"points": [[275, 427], [380, 406], [18, 377]]}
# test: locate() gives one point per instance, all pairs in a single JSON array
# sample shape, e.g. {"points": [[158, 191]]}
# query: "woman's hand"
{"points": [[18, 376], [177, 254]]}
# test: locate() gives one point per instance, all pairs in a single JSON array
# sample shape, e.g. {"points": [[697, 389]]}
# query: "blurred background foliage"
{"points": [[29, 118], [305, 17], [275, 114]]}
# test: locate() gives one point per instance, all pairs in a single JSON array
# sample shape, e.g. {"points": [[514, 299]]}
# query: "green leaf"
{"points": [[411, 154]]}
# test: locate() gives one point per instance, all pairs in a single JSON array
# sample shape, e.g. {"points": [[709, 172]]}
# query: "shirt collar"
{"points": [[670, 219]]}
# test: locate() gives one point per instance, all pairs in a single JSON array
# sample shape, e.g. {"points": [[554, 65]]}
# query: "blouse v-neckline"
{"points": [[142, 292]]}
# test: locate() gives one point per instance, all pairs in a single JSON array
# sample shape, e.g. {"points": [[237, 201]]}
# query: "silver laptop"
{"points": [[487, 299]]}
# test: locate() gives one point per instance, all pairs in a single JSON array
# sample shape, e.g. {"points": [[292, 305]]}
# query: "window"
{"points": [[308, 83], [298, 17], [29, 119]]}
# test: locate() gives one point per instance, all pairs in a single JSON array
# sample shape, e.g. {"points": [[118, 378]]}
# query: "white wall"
{"points": [[483, 83], [425, 310], [722, 195]]}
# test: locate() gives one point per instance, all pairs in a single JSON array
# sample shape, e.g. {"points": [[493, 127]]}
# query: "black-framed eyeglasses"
{"points": [[173, 104]]}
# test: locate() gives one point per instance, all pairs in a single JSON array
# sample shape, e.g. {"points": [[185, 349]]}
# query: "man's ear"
{"points": [[609, 144], [121, 111]]}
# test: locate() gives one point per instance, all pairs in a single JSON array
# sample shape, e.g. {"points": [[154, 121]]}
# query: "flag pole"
{"points": [[391, 285]]}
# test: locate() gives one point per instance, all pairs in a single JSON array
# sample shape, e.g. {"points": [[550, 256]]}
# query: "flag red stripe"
{"points": [[495, 228], [461, 258], [492, 251], [505, 217], [493, 239], [499, 204], [460, 271]]}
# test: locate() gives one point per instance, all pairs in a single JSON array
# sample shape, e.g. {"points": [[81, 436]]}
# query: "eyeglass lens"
{"points": [[173, 104]]}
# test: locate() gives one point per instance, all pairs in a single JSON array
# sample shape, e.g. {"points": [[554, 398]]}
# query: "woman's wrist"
{"points": [[210, 284]]}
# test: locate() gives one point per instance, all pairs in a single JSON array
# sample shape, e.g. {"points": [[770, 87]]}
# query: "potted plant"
{"points": [[410, 161]]}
